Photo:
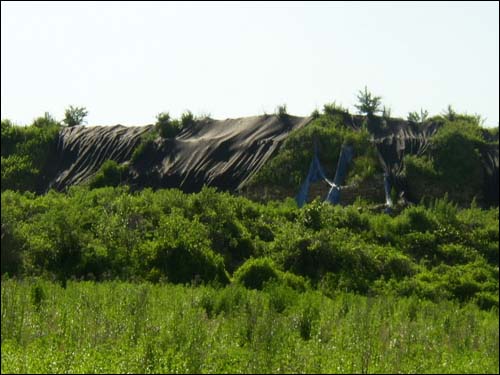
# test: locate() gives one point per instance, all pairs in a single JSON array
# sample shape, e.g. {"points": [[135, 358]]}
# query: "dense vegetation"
{"points": [[452, 164], [289, 166], [28, 154], [436, 252], [104, 279], [116, 327]]}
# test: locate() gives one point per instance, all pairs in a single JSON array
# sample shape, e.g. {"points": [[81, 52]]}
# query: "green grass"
{"points": [[143, 328]]}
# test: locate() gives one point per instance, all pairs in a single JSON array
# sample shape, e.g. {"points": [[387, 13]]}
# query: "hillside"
{"points": [[454, 156], [107, 268]]}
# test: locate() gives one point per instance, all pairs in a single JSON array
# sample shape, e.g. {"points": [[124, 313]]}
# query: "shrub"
{"points": [[419, 245], [281, 296], [331, 109], [46, 121], [458, 161], [166, 127], [110, 174], [182, 252], [419, 219], [18, 173], [255, 272], [315, 114], [27, 155], [294, 281], [187, 119], [311, 215], [145, 148]]}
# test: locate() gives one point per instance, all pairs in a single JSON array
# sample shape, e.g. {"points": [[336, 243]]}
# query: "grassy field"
{"points": [[121, 327]]}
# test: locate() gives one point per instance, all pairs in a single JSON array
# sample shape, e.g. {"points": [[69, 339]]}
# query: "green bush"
{"points": [[166, 127], [28, 155], [255, 272], [228, 236], [332, 109], [145, 149], [110, 174], [452, 164], [46, 121], [182, 253], [187, 119], [18, 173], [434, 252]]}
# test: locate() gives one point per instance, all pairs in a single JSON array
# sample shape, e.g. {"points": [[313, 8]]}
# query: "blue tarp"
{"points": [[346, 154], [316, 174]]}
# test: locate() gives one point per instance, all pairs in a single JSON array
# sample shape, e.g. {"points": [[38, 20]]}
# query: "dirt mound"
{"points": [[224, 154], [83, 149]]}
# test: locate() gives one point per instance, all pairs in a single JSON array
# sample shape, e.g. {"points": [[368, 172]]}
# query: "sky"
{"points": [[128, 61]]}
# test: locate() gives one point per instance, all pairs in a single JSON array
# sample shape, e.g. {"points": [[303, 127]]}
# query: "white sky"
{"points": [[126, 62]]}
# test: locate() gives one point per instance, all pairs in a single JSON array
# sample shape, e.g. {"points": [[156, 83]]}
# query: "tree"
{"points": [[368, 103], [74, 116]]}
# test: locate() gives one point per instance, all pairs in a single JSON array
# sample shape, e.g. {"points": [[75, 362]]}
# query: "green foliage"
{"points": [[27, 153], [46, 121], [18, 172], [145, 148], [187, 119], [117, 327], [368, 103], [10, 249], [166, 127], [74, 116], [315, 114], [110, 174], [255, 272], [492, 134], [182, 253], [332, 109], [452, 164], [311, 215], [290, 165], [458, 160], [37, 296], [418, 118], [109, 233]]}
